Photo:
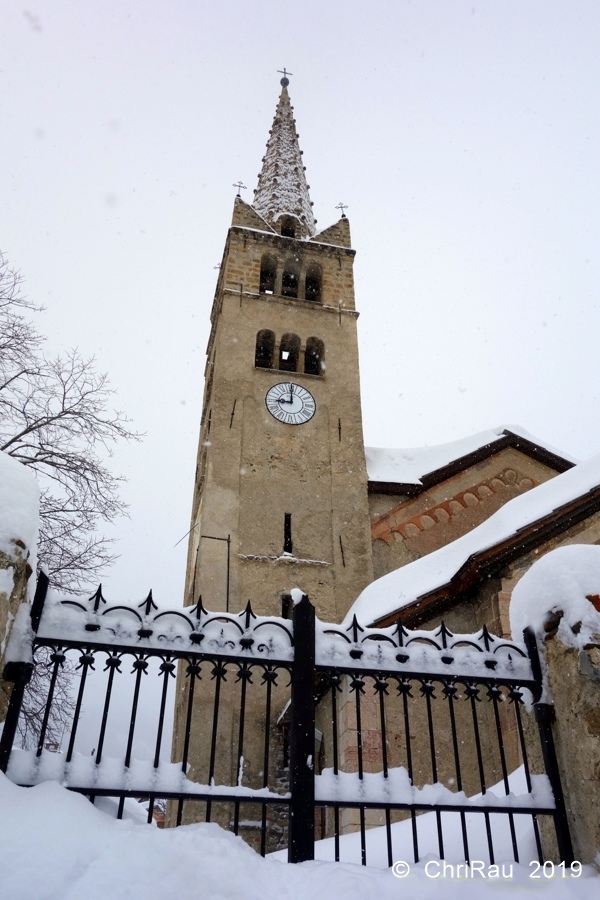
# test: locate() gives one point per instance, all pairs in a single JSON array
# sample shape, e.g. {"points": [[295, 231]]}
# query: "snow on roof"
{"points": [[19, 505], [404, 586], [411, 465]]}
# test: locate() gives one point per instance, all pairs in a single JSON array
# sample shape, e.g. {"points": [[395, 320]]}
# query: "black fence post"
{"points": [[301, 826], [37, 607], [545, 715], [19, 673]]}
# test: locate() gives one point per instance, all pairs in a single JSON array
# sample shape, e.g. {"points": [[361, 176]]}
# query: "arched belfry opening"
{"points": [[290, 279], [289, 351], [265, 345], [288, 227], [312, 288], [313, 356], [268, 273]]}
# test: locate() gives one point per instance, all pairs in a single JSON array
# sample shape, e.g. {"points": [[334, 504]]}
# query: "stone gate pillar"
{"points": [[19, 505]]}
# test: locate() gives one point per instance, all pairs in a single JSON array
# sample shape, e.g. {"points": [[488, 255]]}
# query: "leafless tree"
{"points": [[55, 418]]}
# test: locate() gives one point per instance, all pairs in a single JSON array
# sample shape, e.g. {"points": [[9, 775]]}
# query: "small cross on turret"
{"points": [[342, 206]]}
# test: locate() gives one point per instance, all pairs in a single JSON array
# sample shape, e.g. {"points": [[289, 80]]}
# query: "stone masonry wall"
{"points": [[14, 574], [574, 682]]}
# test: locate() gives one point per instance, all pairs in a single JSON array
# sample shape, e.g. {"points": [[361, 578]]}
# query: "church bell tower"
{"points": [[280, 496]]}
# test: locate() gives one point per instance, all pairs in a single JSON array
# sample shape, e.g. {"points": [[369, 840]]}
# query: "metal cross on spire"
{"points": [[285, 80], [240, 187], [342, 206]]}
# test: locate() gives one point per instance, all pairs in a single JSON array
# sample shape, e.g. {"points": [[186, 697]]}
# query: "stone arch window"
{"points": [[290, 279], [312, 290], [268, 272], [289, 350], [313, 356], [288, 227], [265, 345]]}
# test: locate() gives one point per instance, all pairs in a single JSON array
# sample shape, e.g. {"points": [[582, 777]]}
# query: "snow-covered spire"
{"points": [[282, 190]]}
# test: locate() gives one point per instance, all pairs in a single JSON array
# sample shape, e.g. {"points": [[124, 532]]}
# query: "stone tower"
{"points": [[280, 497]]}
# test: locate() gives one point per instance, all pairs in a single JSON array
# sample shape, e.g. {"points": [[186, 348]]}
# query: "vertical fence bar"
{"points": [[516, 697], [404, 687], [269, 678], [494, 694], [57, 658], [219, 673], [86, 660], [335, 687], [39, 598], [357, 685], [193, 671], [427, 689], [381, 687], [166, 669], [450, 692], [244, 675], [113, 663], [472, 692], [302, 733], [140, 667]]}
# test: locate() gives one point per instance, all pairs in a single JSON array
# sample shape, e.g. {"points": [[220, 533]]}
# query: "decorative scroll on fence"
{"points": [[291, 730]]}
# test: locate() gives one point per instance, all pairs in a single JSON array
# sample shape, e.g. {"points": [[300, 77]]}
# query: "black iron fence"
{"points": [[289, 731]]}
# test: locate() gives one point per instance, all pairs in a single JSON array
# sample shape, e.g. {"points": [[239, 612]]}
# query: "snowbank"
{"points": [[562, 580], [56, 846]]}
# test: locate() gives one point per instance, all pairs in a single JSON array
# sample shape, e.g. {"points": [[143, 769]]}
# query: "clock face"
{"points": [[290, 403]]}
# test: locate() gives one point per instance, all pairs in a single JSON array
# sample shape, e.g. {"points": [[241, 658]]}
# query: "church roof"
{"points": [[425, 585], [410, 471], [282, 189]]}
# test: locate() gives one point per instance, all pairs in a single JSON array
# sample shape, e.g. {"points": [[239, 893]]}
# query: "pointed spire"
{"points": [[282, 189]]}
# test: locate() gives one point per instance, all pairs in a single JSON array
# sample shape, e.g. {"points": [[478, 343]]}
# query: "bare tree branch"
{"points": [[55, 417]]}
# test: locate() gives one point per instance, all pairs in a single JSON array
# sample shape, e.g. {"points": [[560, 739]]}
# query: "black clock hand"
{"points": [[291, 400]]}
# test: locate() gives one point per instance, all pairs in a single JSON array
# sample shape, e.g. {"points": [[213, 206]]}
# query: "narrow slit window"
{"points": [[268, 271], [289, 350], [289, 283], [312, 290], [313, 356], [265, 345]]}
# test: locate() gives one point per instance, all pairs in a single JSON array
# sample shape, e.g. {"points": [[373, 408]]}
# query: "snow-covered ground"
{"points": [[55, 845]]}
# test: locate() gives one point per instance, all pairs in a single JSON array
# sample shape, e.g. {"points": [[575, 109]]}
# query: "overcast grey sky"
{"points": [[464, 137]]}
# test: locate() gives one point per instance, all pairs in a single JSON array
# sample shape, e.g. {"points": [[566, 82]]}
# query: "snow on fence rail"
{"points": [[286, 730]]}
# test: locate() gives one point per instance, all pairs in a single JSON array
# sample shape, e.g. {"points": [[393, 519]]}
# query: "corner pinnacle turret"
{"points": [[282, 190]]}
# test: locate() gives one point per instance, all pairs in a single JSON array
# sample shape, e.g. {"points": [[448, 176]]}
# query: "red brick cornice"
{"points": [[489, 562]]}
